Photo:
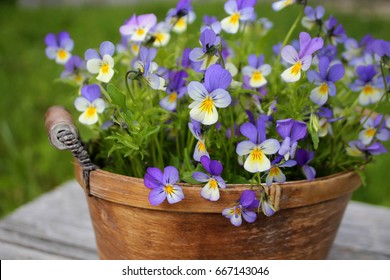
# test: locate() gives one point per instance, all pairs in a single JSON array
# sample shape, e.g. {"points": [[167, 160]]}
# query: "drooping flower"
{"points": [[163, 185], [291, 132], [335, 31], [200, 148], [160, 34], [238, 10], [303, 158], [266, 205], [358, 149], [281, 4], [257, 147], [325, 121], [208, 54], [214, 181], [256, 71], [324, 80], [147, 67], [73, 70], [210, 95], [137, 27], [90, 104], [181, 16], [374, 128], [300, 61], [275, 174], [244, 209], [59, 47], [102, 63], [371, 88], [176, 89], [313, 16]]}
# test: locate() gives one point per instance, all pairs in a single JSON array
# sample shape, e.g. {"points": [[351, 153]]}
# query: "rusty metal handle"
{"points": [[64, 136]]}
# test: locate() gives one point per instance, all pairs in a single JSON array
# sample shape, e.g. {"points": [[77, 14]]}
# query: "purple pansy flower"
{"points": [[147, 68], [329, 51], [300, 61], [181, 16], [214, 181], [291, 131], [371, 90], [373, 128], [208, 54], [303, 158], [211, 23], [358, 149], [334, 31], [137, 27], [176, 89], [324, 80], [326, 118], [244, 209], [275, 174], [163, 185], [210, 95], [257, 147], [200, 148], [59, 47], [238, 10], [90, 104], [256, 71], [313, 16], [102, 63], [266, 205], [73, 69]]}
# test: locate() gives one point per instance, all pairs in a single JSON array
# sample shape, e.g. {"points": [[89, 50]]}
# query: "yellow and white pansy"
{"points": [[90, 104], [102, 64], [238, 11]]}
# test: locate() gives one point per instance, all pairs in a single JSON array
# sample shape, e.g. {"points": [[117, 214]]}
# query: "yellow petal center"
{"points": [[257, 155], [213, 183], [160, 37], [181, 22], [257, 76], [90, 112], [172, 97], [370, 132], [201, 146], [62, 54], [368, 90], [135, 49], [324, 89], [275, 171], [296, 69], [105, 68], [207, 105], [140, 32], [234, 18], [169, 189]]}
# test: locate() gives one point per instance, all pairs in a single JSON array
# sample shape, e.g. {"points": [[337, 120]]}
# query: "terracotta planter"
{"points": [[128, 227]]}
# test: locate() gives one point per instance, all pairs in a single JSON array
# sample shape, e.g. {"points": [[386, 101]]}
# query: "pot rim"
{"points": [[130, 191]]}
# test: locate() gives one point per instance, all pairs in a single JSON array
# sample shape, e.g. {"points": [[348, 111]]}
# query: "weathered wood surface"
{"points": [[57, 226]]}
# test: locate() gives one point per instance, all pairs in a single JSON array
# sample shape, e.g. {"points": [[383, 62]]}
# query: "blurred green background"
{"points": [[29, 166]]}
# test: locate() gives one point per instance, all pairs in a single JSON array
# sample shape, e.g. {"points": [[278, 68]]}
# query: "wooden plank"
{"points": [[57, 226]]}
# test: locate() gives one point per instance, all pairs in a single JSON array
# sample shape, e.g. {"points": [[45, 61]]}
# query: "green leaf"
{"points": [[116, 95]]}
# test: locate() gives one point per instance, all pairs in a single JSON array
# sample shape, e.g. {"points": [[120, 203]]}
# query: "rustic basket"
{"points": [[128, 227]]}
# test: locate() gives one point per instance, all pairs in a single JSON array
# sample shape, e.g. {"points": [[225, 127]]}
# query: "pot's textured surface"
{"points": [[128, 227]]}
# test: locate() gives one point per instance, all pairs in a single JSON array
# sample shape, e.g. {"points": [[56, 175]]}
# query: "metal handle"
{"points": [[64, 136]]}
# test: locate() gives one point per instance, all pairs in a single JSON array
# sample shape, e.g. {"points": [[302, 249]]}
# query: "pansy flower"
{"points": [[181, 16], [334, 31], [265, 25], [325, 121], [90, 104], [371, 88], [137, 27], [163, 185], [73, 70], [257, 147], [210, 95], [59, 47], [214, 181], [102, 63], [281, 4], [176, 89], [300, 61], [244, 209], [381, 48], [147, 67], [211, 23], [358, 149], [200, 148], [266, 205], [275, 174], [238, 10], [256, 71], [160, 34], [303, 158], [373, 128], [324, 80], [313, 16], [291, 132], [208, 54]]}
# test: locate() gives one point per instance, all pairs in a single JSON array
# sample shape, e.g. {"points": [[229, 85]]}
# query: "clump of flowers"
{"points": [[217, 109]]}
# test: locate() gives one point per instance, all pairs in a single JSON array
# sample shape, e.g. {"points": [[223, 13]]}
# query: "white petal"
{"points": [[290, 75], [180, 26], [94, 65], [105, 77], [62, 56], [88, 119], [81, 104], [270, 146], [231, 68], [197, 91], [257, 80], [257, 162], [265, 69], [318, 96], [138, 35], [244, 148], [366, 137], [210, 193], [277, 6], [230, 25], [221, 98], [109, 60], [99, 104], [248, 71]]}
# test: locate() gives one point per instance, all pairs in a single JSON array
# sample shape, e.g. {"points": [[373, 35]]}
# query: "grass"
{"points": [[28, 165]]}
